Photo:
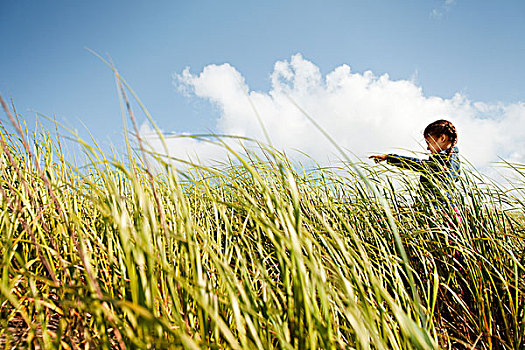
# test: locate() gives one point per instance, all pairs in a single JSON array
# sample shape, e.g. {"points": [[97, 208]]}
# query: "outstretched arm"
{"points": [[410, 163], [400, 161]]}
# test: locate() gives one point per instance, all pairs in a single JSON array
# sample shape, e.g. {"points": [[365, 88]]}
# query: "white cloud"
{"points": [[363, 112], [186, 147], [444, 8]]}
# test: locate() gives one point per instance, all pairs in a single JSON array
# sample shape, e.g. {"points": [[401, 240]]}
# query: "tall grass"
{"points": [[250, 254]]}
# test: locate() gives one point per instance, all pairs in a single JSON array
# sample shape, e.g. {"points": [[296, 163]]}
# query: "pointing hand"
{"points": [[378, 157]]}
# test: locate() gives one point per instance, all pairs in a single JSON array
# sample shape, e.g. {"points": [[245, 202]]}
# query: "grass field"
{"points": [[250, 254]]}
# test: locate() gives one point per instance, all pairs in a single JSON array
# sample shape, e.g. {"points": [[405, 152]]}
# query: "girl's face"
{"points": [[436, 144]]}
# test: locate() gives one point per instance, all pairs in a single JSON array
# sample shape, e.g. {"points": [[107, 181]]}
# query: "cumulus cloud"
{"points": [[365, 114]]}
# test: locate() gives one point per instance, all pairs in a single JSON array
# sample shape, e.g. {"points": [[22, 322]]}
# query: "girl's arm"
{"points": [[410, 163]]}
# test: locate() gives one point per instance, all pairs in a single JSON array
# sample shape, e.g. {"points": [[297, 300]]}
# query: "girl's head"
{"points": [[440, 135]]}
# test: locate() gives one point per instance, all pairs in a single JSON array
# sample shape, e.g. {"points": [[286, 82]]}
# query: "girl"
{"points": [[442, 169], [438, 174]]}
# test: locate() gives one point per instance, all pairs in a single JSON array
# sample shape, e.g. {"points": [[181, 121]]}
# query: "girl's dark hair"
{"points": [[442, 127]]}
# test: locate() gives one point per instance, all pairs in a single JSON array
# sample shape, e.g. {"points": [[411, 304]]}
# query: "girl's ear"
{"points": [[443, 138]]}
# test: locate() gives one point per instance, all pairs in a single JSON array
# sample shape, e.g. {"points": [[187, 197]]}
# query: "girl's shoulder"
{"points": [[448, 157], [454, 154], [449, 152]]}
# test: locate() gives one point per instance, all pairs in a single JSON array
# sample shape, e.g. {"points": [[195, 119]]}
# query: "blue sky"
{"points": [[475, 48]]}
